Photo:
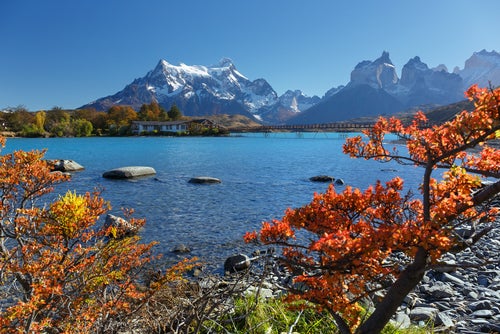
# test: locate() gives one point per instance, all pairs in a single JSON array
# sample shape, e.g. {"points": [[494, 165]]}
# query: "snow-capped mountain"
{"points": [[297, 101], [374, 88], [379, 74], [201, 90], [288, 106], [483, 68]]}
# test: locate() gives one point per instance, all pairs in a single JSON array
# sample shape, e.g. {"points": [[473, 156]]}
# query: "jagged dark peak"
{"points": [[384, 59], [484, 52], [295, 92], [262, 87], [160, 67], [380, 73], [416, 63]]}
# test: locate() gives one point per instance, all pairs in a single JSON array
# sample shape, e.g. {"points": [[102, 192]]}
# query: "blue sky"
{"points": [[68, 53]]}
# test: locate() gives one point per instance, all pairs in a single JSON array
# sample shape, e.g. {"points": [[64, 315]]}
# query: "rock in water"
{"points": [[204, 180], [236, 263], [121, 227], [322, 178], [129, 172], [66, 166], [339, 182]]}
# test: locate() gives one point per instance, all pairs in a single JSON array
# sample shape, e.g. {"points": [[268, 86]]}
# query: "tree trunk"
{"points": [[406, 282]]}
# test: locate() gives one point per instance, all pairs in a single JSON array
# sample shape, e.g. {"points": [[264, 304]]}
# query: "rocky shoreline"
{"points": [[460, 300], [462, 296]]}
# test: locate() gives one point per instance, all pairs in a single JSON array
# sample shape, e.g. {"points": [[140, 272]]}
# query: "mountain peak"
{"points": [[225, 62], [379, 73], [384, 58], [483, 52], [482, 68]]}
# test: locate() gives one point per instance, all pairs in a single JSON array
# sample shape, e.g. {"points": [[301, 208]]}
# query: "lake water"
{"points": [[261, 177]]}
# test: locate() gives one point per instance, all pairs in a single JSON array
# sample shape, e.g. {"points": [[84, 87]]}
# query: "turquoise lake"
{"points": [[261, 177]]}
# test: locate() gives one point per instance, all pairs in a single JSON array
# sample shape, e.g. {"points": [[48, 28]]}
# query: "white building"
{"points": [[141, 127]]}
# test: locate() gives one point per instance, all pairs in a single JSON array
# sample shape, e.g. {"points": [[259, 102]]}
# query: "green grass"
{"points": [[272, 316]]}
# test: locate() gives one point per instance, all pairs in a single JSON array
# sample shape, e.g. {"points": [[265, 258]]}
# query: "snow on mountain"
{"points": [[296, 101], [375, 89], [483, 68], [221, 89], [197, 90], [380, 73]]}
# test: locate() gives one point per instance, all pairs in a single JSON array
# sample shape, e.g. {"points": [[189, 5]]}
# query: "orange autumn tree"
{"points": [[61, 271], [352, 236]]}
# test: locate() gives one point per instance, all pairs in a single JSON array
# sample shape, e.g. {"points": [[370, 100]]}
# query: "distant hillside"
{"points": [[445, 113], [233, 121], [357, 101], [435, 114]]}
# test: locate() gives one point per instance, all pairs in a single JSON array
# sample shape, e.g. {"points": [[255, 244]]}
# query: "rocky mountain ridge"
{"points": [[374, 89]]}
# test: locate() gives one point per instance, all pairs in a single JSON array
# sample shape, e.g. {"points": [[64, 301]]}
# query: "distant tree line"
{"points": [[58, 122]]}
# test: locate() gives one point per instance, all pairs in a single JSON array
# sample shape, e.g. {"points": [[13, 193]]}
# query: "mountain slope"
{"points": [[481, 68], [352, 102], [196, 90]]}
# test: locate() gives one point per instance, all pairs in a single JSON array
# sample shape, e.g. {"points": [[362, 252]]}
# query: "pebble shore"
{"points": [[450, 299]]}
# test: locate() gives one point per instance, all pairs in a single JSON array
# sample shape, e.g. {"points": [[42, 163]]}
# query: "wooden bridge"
{"points": [[334, 127]]}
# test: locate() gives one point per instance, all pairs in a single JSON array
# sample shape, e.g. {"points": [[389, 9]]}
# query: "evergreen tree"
{"points": [[174, 113]]}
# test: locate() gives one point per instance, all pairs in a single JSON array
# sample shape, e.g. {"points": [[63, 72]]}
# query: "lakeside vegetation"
{"points": [[116, 121]]}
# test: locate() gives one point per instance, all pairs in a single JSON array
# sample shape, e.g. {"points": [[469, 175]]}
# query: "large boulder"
{"points": [[339, 182], [66, 166], [236, 263], [322, 178], [121, 227], [129, 172], [204, 180]]}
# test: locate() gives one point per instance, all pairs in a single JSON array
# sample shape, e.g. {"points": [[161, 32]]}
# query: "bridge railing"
{"points": [[305, 127]]}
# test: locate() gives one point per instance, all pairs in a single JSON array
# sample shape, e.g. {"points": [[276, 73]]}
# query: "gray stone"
{"points": [[121, 227], [129, 172], [204, 180], [339, 182], [181, 249], [66, 166], [483, 280], [438, 290], [479, 321], [480, 305], [402, 320], [236, 263], [472, 295], [482, 314], [322, 178], [446, 277], [263, 293], [444, 320], [423, 313]]}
